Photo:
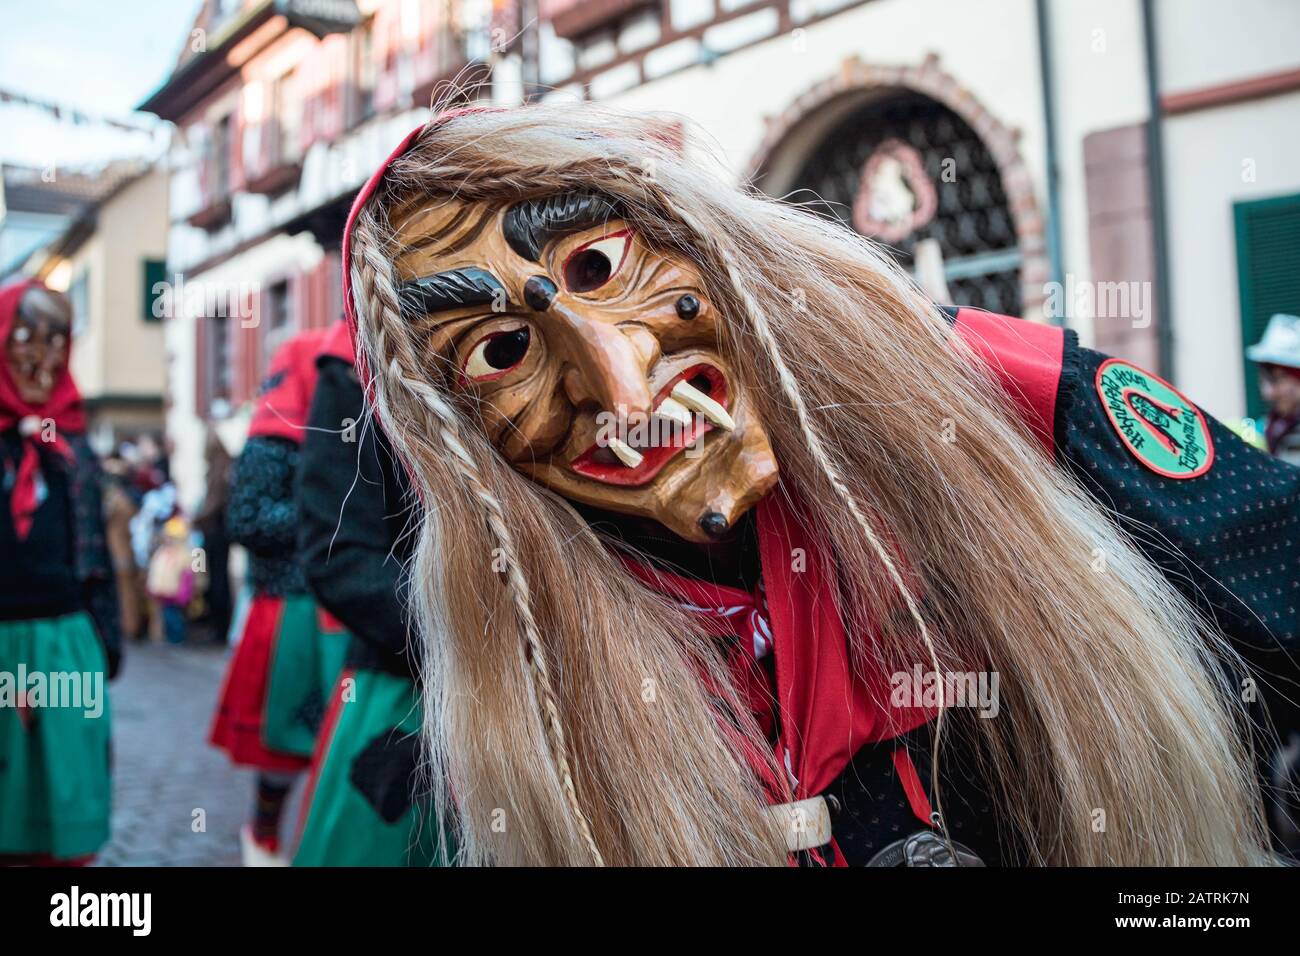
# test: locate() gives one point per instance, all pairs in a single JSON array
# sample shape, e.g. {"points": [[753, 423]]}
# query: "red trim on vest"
{"points": [[324, 739], [1025, 357], [912, 786]]}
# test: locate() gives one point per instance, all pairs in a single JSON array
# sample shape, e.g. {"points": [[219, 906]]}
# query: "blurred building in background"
{"points": [[101, 237], [1099, 164], [37, 204], [282, 108], [111, 260], [1125, 167]]}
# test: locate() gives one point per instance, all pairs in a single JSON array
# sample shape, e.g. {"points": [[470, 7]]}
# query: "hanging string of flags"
{"points": [[71, 115]]}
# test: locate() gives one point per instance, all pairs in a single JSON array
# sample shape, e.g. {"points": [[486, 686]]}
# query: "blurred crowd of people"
{"points": [[172, 570]]}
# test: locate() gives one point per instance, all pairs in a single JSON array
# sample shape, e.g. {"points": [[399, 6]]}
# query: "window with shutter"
{"points": [[79, 296], [155, 289], [202, 370], [1268, 272], [214, 377], [246, 348]]}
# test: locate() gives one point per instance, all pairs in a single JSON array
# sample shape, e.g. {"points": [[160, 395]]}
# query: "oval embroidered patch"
{"points": [[1161, 428]]}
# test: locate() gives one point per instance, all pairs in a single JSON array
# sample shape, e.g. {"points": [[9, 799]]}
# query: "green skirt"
{"points": [[55, 790], [306, 663], [358, 810], [274, 694]]}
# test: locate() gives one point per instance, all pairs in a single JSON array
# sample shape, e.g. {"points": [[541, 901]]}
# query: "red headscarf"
{"points": [[63, 408], [368, 190], [284, 398], [338, 343]]}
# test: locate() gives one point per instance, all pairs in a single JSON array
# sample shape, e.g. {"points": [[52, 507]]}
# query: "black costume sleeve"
{"points": [[354, 536], [262, 514], [1228, 538], [94, 565]]}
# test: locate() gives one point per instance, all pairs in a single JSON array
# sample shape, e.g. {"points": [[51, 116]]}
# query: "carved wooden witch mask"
{"points": [[37, 343], [592, 359]]}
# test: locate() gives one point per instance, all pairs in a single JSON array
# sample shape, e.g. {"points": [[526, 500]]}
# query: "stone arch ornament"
{"points": [[794, 135]]}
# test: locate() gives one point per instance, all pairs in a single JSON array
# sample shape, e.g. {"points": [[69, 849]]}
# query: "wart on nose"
{"points": [[539, 293]]}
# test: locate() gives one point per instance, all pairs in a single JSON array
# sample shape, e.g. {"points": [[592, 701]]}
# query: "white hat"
{"points": [[1280, 344]]}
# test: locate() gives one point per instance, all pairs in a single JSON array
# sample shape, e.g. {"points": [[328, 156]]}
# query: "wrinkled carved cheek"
{"points": [[525, 429]]}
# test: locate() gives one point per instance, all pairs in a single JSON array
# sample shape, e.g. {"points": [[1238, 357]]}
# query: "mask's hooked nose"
{"points": [[607, 367]]}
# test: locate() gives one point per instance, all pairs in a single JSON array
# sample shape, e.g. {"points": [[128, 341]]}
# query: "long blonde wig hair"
{"points": [[568, 715]]}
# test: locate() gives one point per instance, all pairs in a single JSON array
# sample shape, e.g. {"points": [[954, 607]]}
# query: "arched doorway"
{"points": [[903, 154]]}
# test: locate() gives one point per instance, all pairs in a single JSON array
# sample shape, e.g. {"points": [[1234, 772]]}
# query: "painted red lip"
{"points": [[599, 464]]}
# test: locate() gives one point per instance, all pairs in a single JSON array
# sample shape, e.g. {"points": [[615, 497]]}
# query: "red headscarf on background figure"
{"points": [[284, 397], [63, 408], [338, 343]]}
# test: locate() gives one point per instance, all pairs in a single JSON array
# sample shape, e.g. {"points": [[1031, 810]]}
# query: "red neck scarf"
{"points": [[284, 398], [62, 410], [822, 710]]}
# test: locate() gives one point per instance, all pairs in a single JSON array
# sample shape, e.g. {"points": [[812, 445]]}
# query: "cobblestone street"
{"points": [[164, 768]]}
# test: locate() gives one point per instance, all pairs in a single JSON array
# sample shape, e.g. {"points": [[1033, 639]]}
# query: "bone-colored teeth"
{"points": [[675, 411], [624, 452], [692, 397]]}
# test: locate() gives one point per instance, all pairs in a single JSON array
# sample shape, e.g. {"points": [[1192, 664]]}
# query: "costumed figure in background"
{"points": [[721, 522], [172, 576], [121, 503], [210, 522], [157, 506], [355, 537], [59, 624], [290, 651], [1277, 356]]}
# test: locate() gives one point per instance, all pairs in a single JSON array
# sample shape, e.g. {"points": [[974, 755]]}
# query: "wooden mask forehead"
{"points": [[446, 230], [448, 223], [40, 308], [529, 225]]}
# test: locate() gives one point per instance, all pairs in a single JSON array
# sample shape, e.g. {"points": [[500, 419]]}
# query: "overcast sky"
{"points": [[99, 56]]}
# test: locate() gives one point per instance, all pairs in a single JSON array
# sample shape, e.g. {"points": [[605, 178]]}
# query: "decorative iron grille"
{"points": [[972, 220]]}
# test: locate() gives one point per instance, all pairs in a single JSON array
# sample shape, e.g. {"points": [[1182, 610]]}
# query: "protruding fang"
{"points": [[675, 411], [693, 398], [624, 452]]}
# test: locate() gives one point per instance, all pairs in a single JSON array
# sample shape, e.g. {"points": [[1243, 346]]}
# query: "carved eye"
{"points": [[22, 333], [589, 267], [497, 354]]}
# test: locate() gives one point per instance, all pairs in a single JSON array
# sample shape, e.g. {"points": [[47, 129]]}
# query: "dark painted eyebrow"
{"points": [[452, 290], [529, 225]]}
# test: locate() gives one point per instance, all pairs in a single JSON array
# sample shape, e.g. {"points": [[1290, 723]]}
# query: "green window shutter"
{"points": [[155, 272], [1268, 273]]}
